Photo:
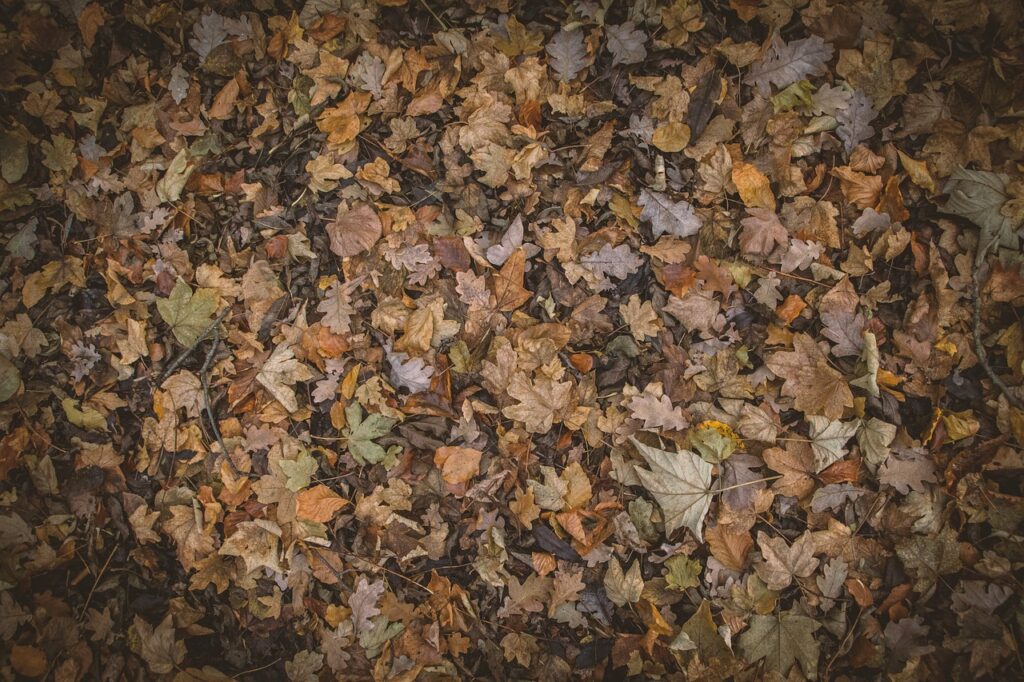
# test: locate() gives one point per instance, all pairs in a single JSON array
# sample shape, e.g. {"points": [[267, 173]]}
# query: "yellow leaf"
{"points": [[671, 137], [753, 186]]}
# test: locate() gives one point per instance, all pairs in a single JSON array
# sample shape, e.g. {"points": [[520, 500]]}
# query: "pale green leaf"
{"points": [[187, 314], [681, 484]]}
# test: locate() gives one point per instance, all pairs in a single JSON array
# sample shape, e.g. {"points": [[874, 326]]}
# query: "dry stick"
{"points": [[204, 378], [979, 348]]}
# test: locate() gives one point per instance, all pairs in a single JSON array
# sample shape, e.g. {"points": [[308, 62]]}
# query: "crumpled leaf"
{"points": [[667, 216], [280, 373], [979, 196], [623, 588]]}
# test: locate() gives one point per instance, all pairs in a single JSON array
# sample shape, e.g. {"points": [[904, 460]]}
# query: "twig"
{"points": [[99, 577], [979, 348], [204, 378], [195, 344]]}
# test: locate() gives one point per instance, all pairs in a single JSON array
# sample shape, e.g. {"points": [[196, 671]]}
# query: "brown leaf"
{"points": [[354, 230]]}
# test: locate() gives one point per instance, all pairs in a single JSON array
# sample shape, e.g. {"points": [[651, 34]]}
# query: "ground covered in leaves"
{"points": [[392, 340]]}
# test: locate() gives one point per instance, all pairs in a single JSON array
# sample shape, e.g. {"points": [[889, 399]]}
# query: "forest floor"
{"points": [[588, 340]]}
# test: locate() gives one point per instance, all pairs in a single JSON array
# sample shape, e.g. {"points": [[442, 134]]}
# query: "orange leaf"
{"points": [[318, 503], [457, 464]]}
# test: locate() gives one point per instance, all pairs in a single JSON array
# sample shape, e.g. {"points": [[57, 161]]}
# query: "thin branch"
{"points": [[208, 404]]}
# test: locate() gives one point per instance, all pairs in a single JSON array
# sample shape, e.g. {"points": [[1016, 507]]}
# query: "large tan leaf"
{"points": [[681, 484]]}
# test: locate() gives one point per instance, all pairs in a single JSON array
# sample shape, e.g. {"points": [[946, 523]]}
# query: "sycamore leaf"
{"points": [[158, 646], [782, 640], [362, 432], [641, 318], [538, 401], [657, 411], [256, 543], [681, 484], [783, 562], [810, 380], [354, 230], [927, 557], [667, 216], [10, 381], [187, 314], [280, 373], [623, 588]]}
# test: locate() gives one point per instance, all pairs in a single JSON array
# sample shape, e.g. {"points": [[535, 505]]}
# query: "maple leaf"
{"points": [[980, 196], [280, 373], [796, 463], [782, 640], [816, 387], [538, 402], [784, 562], [256, 543], [667, 216], [360, 434], [188, 315], [657, 410], [681, 484], [158, 646], [784, 64], [928, 557], [567, 54]]}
